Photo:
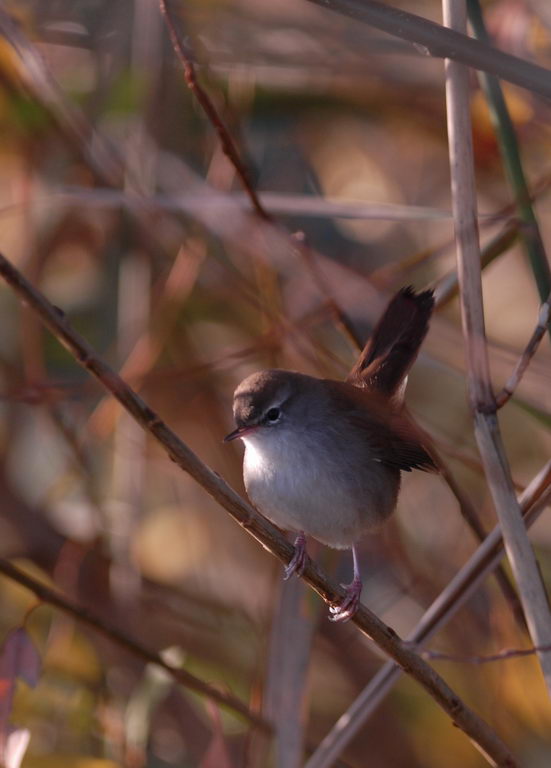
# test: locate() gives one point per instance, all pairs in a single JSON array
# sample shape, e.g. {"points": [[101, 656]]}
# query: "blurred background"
{"points": [[117, 200]]}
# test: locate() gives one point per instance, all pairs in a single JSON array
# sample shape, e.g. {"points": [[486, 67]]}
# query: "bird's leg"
{"points": [[298, 561], [349, 606]]}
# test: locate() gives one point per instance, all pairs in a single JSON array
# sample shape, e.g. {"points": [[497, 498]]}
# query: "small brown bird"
{"points": [[323, 458]]}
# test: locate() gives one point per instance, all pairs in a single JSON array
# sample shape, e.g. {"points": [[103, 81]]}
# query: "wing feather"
{"points": [[389, 435]]}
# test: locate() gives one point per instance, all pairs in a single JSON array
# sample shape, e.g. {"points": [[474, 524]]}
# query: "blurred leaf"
{"points": [[16, 746], [538, 414], [125, 95], [68, 761], [217, 754], [19, 659]]}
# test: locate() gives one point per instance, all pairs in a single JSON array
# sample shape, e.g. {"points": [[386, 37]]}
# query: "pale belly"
{"points": [[333, 505]]}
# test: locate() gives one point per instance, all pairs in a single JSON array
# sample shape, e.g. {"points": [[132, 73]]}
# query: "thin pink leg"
{"points": [[298, 561], [345, 610]]}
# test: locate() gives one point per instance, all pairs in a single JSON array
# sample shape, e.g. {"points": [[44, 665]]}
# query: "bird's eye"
{"points": [[273, 415]]}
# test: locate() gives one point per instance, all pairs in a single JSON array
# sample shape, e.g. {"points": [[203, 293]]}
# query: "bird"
{"points": [[323, 458]]}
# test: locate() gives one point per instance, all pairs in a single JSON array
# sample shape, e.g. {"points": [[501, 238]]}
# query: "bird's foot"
{"points": [[298, 561], [345, 610]]}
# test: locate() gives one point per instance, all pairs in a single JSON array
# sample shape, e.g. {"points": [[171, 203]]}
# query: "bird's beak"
{"points": [[239, 432]]}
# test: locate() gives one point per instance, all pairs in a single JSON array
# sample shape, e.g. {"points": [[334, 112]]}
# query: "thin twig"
{"points": [[435, 40], [268, 535], [228, 144], [85, 616], [342, 321], [524, 360], [447, 287], [504, 655], [483, 405], [471, 516]]}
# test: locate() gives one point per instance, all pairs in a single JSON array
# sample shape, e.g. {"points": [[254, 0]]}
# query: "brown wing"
{"points": [[390, 435]]}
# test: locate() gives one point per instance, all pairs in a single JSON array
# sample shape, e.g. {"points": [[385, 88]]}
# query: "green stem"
{"points": [[505, 132]]}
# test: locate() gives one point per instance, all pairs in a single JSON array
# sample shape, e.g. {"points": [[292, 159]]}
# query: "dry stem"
{"points": [[435, 40], [494, 459], [524, 360]]}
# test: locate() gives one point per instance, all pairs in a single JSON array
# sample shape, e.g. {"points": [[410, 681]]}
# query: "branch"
{"points": [[342, 321], [268, 535], [527, 355], [504, 655], [435, 40], [228, 145], [447, 287], [472, 518], [84, 616], [483, 405]]}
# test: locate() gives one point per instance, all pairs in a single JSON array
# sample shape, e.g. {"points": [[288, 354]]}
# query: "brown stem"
{"points": [[527, 355], [228, 145]]}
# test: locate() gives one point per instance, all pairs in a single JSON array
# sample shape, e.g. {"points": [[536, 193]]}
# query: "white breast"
{"points": [[299, 494]]}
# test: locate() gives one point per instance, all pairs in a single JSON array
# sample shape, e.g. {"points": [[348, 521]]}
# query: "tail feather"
{"points": [[393, 346]]}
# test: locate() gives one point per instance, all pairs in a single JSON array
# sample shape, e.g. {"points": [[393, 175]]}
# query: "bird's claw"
{"points": [[298, 561], [345, 610]]}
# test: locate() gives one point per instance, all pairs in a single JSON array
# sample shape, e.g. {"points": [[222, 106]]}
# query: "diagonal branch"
{"points": [[440, 42], [503, 655], [524, 360], [486, 740], [228, 144]]}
